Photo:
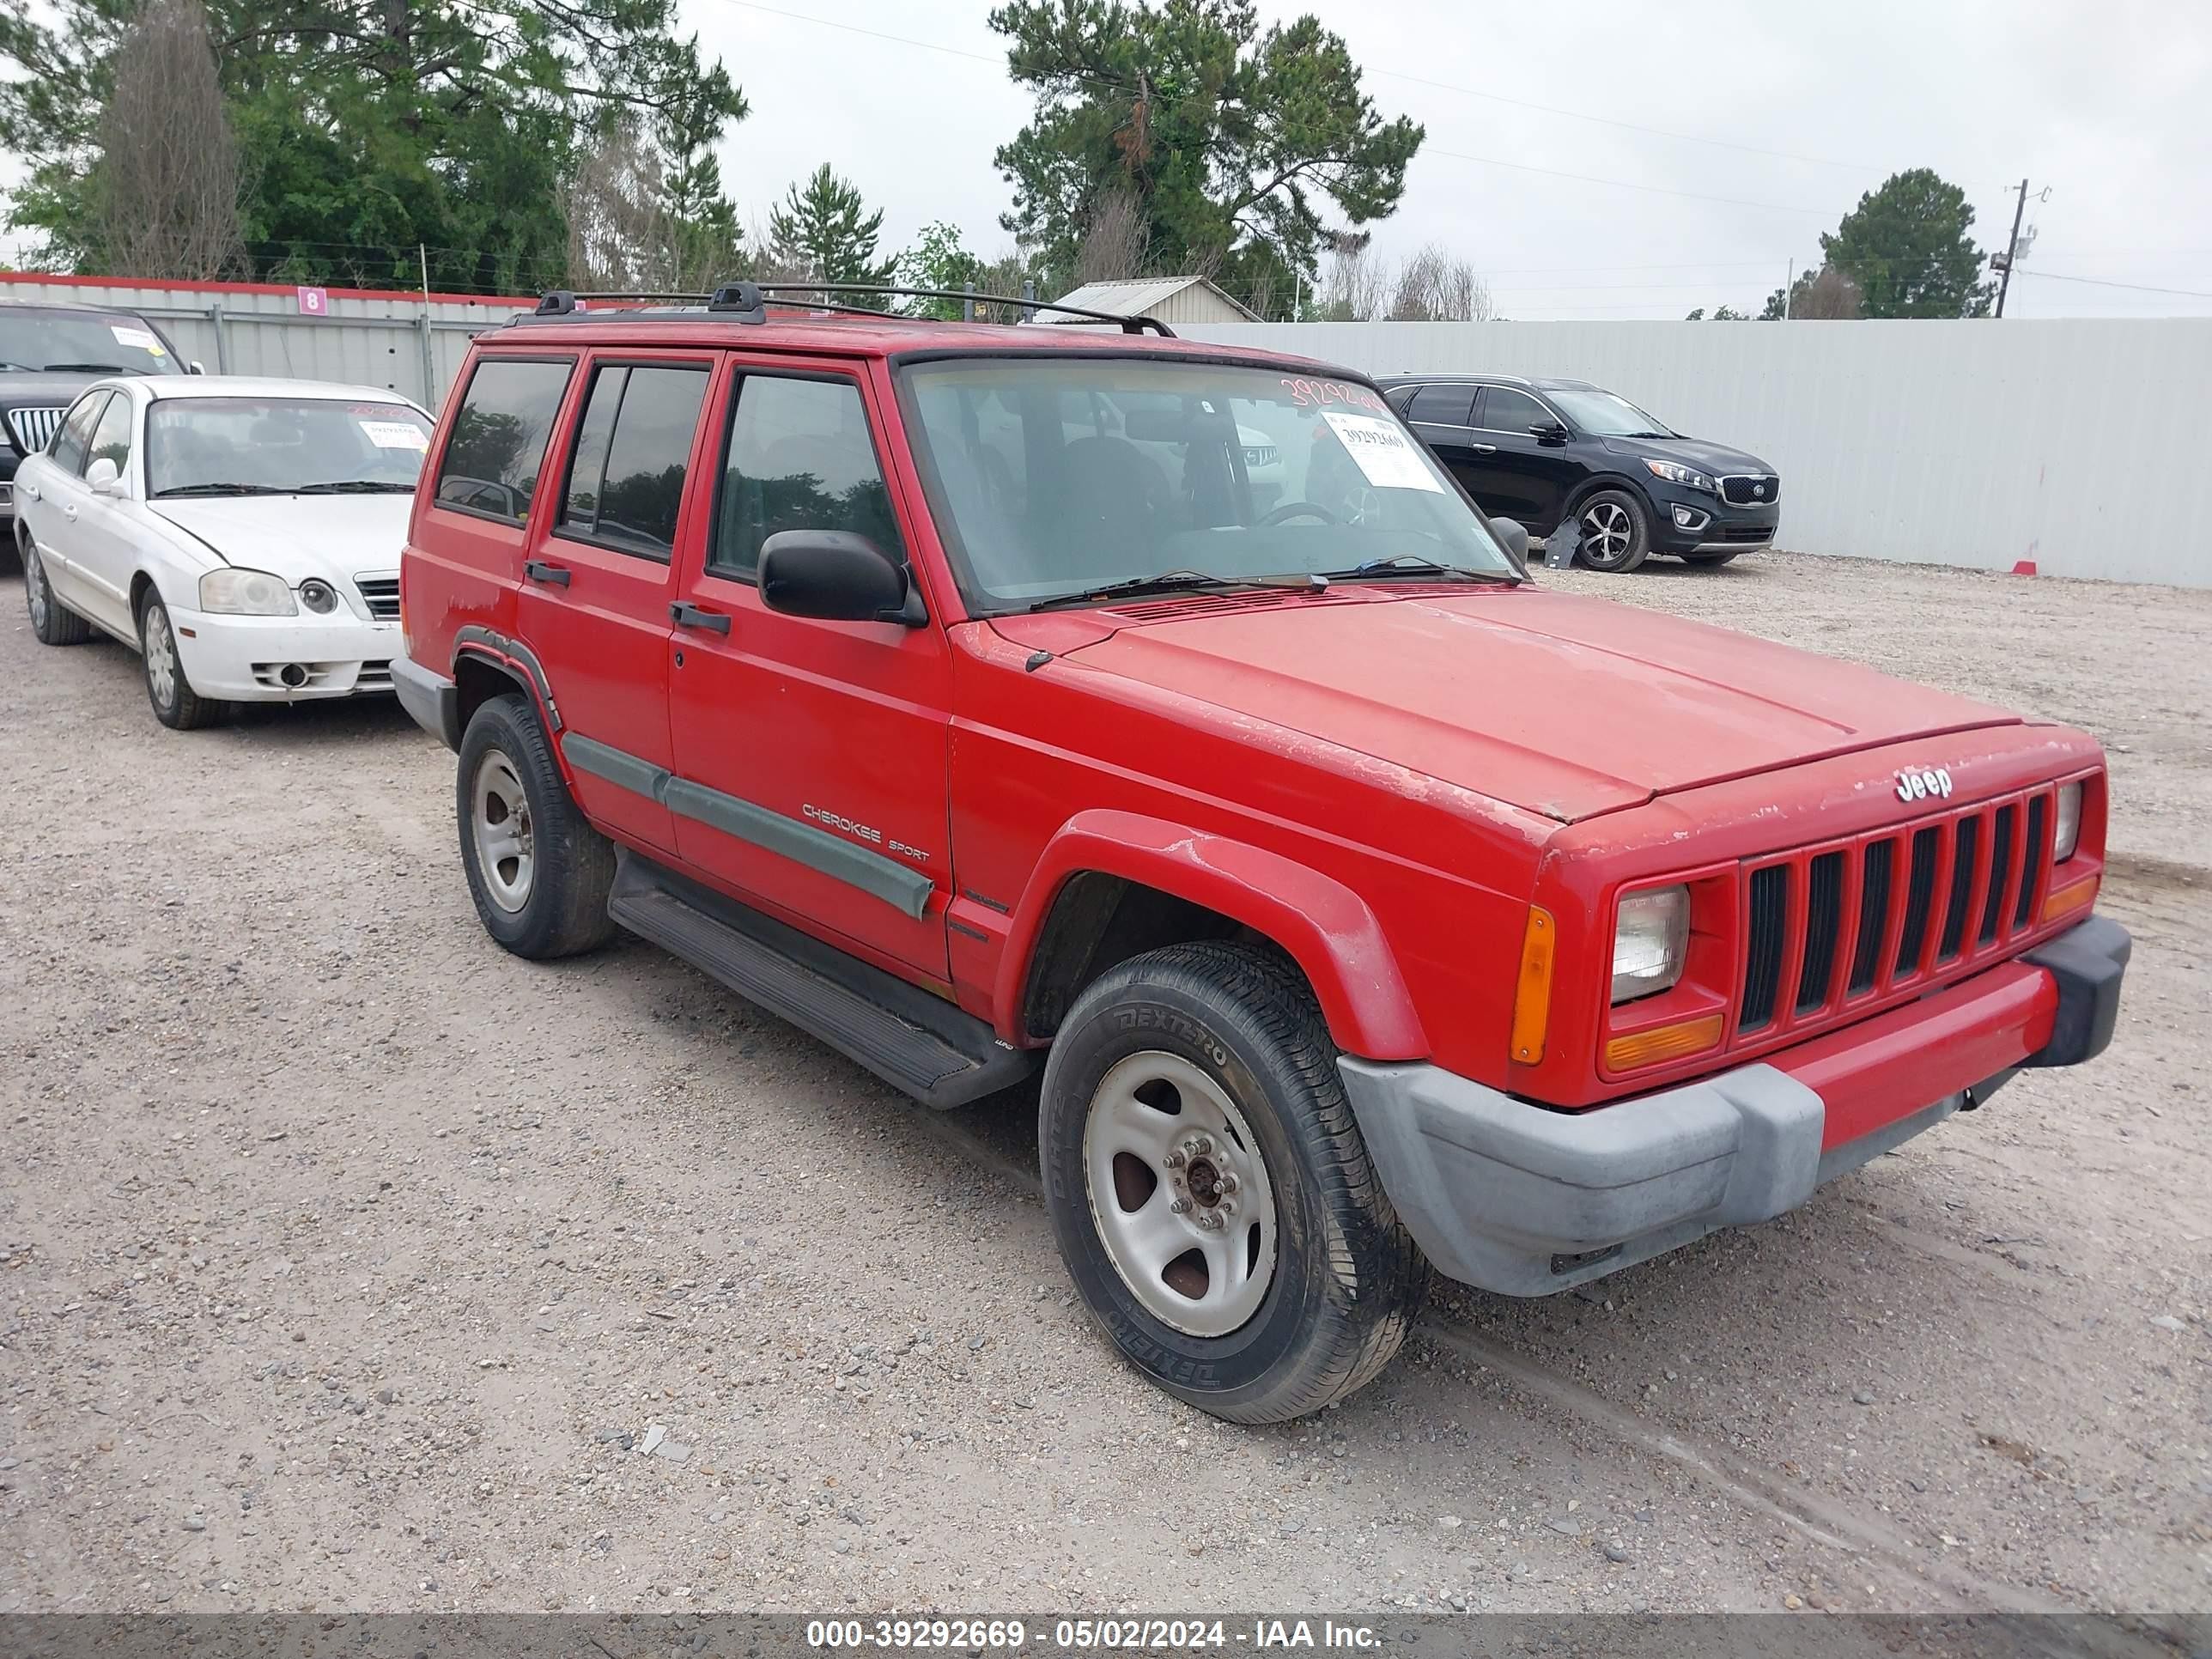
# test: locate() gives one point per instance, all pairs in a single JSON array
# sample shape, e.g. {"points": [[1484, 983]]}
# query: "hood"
{"points": [[1716, 458], [1565, 706], [296, 536]]}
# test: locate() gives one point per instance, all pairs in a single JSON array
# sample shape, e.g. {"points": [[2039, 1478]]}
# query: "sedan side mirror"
{"points": [[834, 575], [196, 367], [1514, 536], [103, 477]]}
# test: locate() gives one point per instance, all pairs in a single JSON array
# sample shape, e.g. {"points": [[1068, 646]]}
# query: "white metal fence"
{"points": [[2066, 442], [394, 341]]}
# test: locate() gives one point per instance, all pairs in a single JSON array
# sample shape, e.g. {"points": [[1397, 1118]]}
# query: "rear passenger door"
{"points": [[601, 575], [1440, 415], [810, 756]]}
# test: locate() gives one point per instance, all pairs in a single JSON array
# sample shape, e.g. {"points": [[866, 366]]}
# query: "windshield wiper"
{"points": [[1412, 564], [1172, 581], [355, 487], [91, 368], [219, 490]]}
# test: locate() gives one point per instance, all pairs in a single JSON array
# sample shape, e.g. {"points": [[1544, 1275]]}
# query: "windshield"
{"points": [[1053, 478], [282, 445], [33, 340], [1602, 414]]}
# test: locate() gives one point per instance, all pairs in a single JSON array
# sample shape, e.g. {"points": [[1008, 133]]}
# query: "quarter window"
{"points": [[1443, 405], [633, 451], [799, 457], [111, 438], [493, 458], [1507, 411], [73, 443]]}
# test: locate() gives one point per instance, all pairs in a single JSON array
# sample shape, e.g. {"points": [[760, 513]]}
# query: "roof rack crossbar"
{"points": [[749, 301]]}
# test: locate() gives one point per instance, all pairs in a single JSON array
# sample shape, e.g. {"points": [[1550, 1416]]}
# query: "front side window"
{"points": [[111, 438], [283, 446], [497, 446], [1504, 409], [633, 451], [1602, 414], [35, 340], [799, 457], [1052, 477], [73, 440]]}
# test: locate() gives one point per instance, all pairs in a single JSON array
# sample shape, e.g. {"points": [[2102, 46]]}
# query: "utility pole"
{"points": [[2012, 248], [1789, 282]]}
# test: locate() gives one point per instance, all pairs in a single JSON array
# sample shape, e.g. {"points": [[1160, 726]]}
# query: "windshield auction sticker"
{"points": [[143, 338], [1383, 450], [396, 434]]}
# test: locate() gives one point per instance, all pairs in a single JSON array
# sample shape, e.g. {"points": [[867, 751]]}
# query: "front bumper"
{"points": [[246, 659], [1523, 1199], [1692, 522]]}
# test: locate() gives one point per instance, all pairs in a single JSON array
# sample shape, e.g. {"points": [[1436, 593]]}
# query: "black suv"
{"points": [[1543, 452], [48, 353]]}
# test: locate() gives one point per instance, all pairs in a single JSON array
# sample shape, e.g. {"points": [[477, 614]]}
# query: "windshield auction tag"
{"points": [[395, 434], [143, 338], [1384, 451]]}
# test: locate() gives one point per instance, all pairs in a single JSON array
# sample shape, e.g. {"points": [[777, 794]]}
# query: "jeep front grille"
{"points": [[33, 429], [1831, 927]]}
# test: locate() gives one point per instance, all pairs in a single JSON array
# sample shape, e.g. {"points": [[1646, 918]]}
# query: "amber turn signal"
{"points": [[1662, 1042], [2063, 900], [1531, 995]]}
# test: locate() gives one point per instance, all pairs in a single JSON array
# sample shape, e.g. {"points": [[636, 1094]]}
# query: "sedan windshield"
{"points": [[1602, 414], [35, 341], [283, 446], [1054, 480]]}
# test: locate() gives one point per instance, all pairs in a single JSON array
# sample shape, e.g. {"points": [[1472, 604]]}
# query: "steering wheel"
{"points": [[1289, 510]]}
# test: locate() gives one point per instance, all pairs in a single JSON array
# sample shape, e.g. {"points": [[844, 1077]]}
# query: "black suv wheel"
{"points": [[1616, 530]]}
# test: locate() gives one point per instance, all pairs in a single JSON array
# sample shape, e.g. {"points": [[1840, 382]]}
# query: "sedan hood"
{"points": [[1565, 706], [1716, 458], [296, 536]]}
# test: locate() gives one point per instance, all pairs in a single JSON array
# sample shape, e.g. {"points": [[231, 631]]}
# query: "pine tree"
{"points": [[825, 230]]}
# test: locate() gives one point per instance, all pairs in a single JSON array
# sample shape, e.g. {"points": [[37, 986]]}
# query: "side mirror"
{"points": [[834, 575], [1514, 535], [196, 367], [1549, 432], [103, 477]]}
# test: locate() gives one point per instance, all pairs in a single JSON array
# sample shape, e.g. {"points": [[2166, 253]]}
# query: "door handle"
{"points": [[70, 512], [30, 492], [554, 575], [1484, 449], [688, 615]]}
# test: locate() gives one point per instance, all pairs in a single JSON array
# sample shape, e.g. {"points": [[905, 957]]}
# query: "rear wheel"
{"points": [[1616, 531], [538, 873], [176, 705], [1210, 1191], [54, 622]]}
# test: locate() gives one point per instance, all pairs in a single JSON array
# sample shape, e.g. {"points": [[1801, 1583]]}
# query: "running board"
{"points": [[915, 1042]]}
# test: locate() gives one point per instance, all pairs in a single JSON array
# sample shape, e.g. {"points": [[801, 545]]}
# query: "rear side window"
{"points": [[633, 448], [73, 442], [1443, 405], [492, 460], [799, 457]]}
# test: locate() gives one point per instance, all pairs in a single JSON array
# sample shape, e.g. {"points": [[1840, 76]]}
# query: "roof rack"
{"points": [[748, 303]]}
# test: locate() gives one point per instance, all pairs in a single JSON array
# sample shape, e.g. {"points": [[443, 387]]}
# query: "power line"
{"points": [[2098, 282]]}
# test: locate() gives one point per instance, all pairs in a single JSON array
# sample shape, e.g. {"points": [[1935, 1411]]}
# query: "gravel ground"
{"points": [[351, 1264]]}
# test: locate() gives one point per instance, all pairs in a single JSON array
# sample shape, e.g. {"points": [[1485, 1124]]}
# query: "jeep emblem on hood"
{"points": [[1923, 785]]}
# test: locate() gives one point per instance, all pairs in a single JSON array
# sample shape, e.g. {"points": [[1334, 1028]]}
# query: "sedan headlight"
{"points": [[1688, 476], [1650, 940], [2066, 832], [239, 593]]}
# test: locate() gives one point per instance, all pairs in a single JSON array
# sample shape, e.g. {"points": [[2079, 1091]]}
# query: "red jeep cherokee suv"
{"points": [[948, 689]]}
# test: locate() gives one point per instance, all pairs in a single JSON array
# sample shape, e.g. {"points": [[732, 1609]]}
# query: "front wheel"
{"points": [[1616, 531], [1210, 1191], [176, 705]]}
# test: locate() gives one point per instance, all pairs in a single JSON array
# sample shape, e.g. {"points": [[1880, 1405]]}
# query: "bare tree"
{"points": [[1114, 241], [1436, 286], [615, 227], [1357, 284], [169, 183], [1830, 295]]}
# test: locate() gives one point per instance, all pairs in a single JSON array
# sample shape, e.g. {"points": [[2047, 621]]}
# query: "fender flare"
{"points": [[518, 663], [1589, 487], [1328, 929]]}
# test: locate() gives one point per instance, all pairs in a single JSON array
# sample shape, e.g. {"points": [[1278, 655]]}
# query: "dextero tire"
{"points": [[538, 873], [52, 622], [1210, 1191], [1616, 531], [176, 705]]}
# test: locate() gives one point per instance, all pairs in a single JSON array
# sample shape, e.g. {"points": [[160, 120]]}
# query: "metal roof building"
{"points": [[1170, 298]]}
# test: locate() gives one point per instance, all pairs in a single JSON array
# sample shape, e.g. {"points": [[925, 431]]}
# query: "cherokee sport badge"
{"points": [[1923, 785]]}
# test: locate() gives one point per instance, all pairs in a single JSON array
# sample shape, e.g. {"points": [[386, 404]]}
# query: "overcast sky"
{"points": [[2104, 103], [1745, 129]]}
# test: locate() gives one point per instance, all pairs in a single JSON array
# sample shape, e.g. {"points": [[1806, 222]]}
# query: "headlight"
{"points": [[319, 596], [1648, 942], [1688, 476], [2067, 830], [246, 593]]}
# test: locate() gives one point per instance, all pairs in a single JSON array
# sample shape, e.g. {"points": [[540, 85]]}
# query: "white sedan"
{"points": [[242, 536]]}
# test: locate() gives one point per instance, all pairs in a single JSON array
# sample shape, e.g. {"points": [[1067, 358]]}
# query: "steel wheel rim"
{"points": [[1607, 532], [34, 586], [499, 818], [1157, 1118], [159, 651]]}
